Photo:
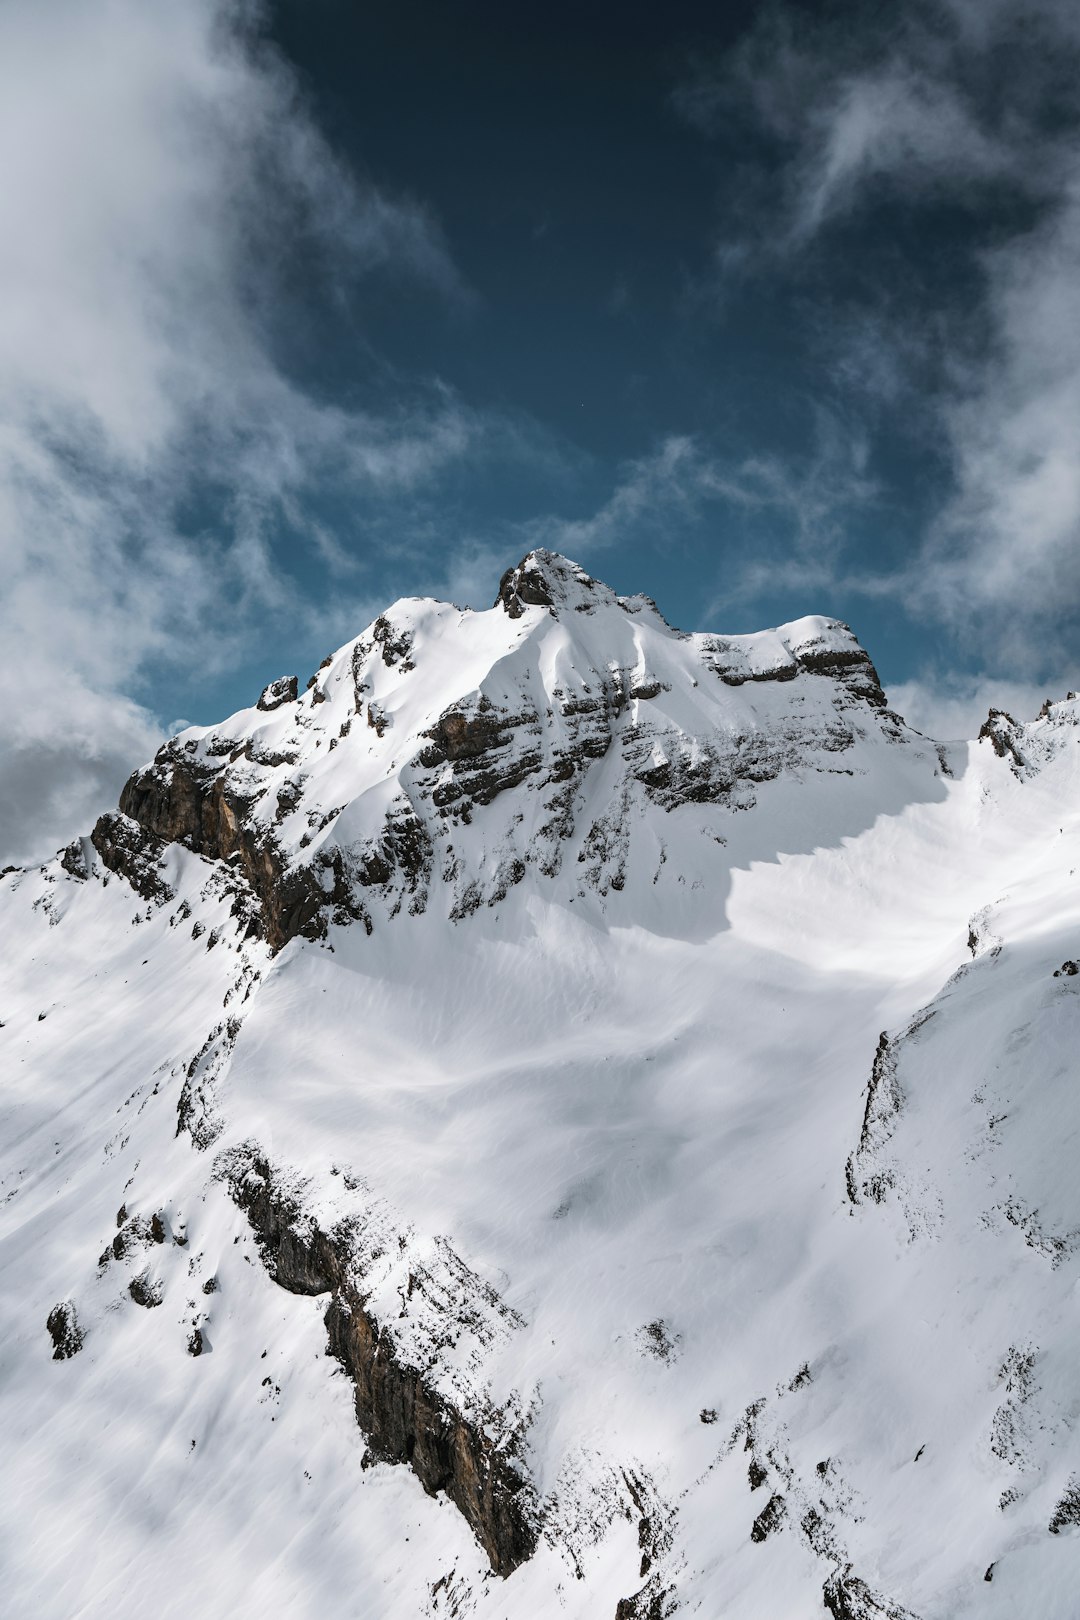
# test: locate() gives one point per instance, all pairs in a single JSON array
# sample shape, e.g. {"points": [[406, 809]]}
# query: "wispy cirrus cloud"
{"points": [[789, 514], [951, 706], [966, 109]]}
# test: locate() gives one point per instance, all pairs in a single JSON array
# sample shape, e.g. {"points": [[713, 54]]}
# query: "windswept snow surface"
{"points": [[781, 1302]]}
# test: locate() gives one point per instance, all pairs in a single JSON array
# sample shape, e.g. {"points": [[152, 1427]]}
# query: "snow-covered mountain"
{"points": [[642, 1062]]}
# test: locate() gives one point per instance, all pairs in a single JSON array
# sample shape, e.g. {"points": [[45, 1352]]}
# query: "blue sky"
{"points": [[763, 309]]}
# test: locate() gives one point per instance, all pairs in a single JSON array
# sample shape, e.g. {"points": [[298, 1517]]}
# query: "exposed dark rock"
{"points": [[708, 1414], [1057, 1246], [210, 1285], [259, 754], [884, 1097], [818, 1531], [195, 1343], [656, 1339], [284, 690], [653, 1602], [457, 735], [758, 1474], [545, 579], [482, 748], [64, 1330], [850, 665], [727, 660], [522, 587], [146, 1290], [394, 644], [196, 1111], [133, 1234], [1067, 970], [770, 1519], [884, 1100], [725, 771], [404, 1418], [1067, 1511], [1009, 1428], [126, 848], [289, 795], [848, 1598], [181, 800], [157, 1228], [656, 1599], [1003, 734], [73, 860]]}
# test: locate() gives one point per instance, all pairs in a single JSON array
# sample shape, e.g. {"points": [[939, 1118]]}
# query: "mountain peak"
{"points": [[546, 578], [442, 758]]}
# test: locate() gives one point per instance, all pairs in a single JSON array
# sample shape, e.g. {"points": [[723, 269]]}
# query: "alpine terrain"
{"points": [[556, 1117]]}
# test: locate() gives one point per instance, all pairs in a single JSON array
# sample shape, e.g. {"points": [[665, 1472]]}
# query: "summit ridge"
{"points": [[383, 784]]}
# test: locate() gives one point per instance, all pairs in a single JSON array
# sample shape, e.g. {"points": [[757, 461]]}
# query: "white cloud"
{"points": [[652, 489], [1004, 553], [160, 167], [951, 707], [891, 123], [65, 755], [915, 103]]}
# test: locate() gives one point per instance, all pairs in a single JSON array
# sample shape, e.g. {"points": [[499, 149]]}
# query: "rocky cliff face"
{"points": [[474, 1459]]}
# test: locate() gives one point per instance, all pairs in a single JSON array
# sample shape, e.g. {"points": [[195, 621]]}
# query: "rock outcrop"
{"points": [[405, 1419], [1067, 1511], [848, 1598], [283, 690], [64, 1331], [181, 800]]}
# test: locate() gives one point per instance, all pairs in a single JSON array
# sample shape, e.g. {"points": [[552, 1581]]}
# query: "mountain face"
{"points": [[558, 1117], [453, 711]]}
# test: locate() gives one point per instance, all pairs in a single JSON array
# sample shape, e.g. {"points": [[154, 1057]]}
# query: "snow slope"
{"points": [[537, 962]]}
